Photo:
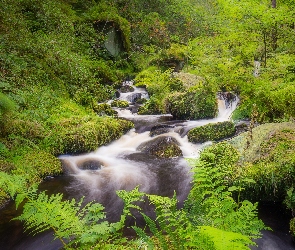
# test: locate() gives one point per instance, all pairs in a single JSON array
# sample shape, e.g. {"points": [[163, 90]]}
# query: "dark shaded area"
{"points": [[275, 216]]}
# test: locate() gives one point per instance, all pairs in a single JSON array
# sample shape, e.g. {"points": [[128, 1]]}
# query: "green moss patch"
{"points": [[162, 146], [197, 103], [211, 132], [120, 104], [104, 109], [269, 159]]}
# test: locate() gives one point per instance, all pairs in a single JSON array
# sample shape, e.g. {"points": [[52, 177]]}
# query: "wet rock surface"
{"points": [[162, 146], [89, 165]]}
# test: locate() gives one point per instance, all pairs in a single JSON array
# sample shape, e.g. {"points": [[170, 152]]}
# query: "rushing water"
{"points": [[120, 165]]}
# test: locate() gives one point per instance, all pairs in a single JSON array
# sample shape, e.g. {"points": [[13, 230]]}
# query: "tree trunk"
{"points": [[274, 3], [274, 31]]}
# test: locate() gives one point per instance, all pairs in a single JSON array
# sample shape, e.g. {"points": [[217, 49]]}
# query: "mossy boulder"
{"points": [[36, 164], [162, 146], [269, 159], [197, 103], [120, 104], [126, 89], [211, 132], [104, 109], [85, 134]]}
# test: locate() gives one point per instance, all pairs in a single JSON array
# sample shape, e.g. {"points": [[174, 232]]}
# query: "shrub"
{"points": [[211, 132]]}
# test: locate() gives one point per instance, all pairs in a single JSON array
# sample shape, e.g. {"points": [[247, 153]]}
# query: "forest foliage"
{"points": [[55, 69]]}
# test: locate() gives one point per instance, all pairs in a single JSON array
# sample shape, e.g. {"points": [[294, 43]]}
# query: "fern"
{"points": [[212, 199]]}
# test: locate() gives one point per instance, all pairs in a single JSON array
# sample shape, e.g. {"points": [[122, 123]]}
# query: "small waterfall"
{"points": [[256, 71], [123, 166]]}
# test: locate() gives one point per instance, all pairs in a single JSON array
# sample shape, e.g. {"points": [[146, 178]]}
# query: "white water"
{"points": [[124, 167]]}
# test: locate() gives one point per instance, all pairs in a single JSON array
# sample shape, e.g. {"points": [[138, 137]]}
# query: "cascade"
{"points": [[123, 165]]}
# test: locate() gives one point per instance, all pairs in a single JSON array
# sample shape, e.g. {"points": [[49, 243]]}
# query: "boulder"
{"points": [[211, 132], [160, 129], [91, 164], [133, 97], [126, 89], [162, 146]]}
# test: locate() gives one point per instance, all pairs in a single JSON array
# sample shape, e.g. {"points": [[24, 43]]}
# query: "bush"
{"points": [[211, 132]]}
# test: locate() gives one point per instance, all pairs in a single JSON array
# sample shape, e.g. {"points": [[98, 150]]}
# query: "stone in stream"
{"points": [[126, 89], [162, 146], [160, 129], [91, 164], [133, 97]]}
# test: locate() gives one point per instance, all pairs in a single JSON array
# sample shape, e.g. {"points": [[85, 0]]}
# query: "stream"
{"points": [[121, 165]]}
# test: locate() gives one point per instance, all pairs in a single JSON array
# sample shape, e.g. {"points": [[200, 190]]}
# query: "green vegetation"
{"points": [[211, 132], [171, 94], [120, 104], [58, 60], [211, 219]]}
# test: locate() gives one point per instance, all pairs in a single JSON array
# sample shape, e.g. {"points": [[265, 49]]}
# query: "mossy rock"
{"points": [[189, 80], [120, 104], [269, 159], [126, 89], [197, 103], [104, 109], [162, 146], [141, 101], [211, 132], [36, 165], [85, 134]]}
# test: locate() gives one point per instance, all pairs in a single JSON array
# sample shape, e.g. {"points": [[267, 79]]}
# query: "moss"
{"points": [[104, 109], [211, 132], [197, 103], [126, 89], [37, 164], [120, 104], [269, 160], [84, 134], [31, 130], [162, 146]]}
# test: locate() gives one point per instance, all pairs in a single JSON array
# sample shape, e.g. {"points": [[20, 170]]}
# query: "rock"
{"points": [[160, 129], [163, 146], [120, 104], [228, 98], [211, 132], [133, 97], [126, 89], [117, 94], [89, 165], [242, 127], [104, 109], [197, 103]]}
